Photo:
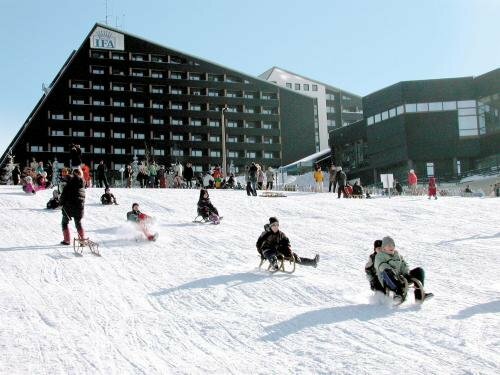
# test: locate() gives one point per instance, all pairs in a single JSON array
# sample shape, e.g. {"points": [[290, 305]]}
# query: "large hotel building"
{"points": [[121, 97]]}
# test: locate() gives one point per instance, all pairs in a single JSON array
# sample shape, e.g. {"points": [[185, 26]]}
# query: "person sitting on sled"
{"points": [[53, 202], [273, 242], [108, 198], [28, 186], [371, 273], [136, 216], [206, 209], [392, 271]]}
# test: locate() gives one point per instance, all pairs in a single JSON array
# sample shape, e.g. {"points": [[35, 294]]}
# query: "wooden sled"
{"points": [[79, 245], [285, 264], [272, 194]]}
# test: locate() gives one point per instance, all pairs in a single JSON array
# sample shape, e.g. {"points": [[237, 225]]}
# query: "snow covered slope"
{"points": [[194, 302]]}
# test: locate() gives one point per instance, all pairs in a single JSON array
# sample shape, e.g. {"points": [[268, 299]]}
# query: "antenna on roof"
{"points": [[106, 19]]}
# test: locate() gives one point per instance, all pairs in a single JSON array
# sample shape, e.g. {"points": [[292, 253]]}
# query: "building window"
{"points": [[215, 153], [156, 74], [178, 152], [177, 106], [213, 93], [449, 106], [466, 104], [99, 135], [196, 138], [306, 87], [177, 137], [119, 151], [157, 105], [138, 120], [97, 70], [251, 125], [138, 73], [410, 108], [138, 88], [196, 153], [176, 75], [57, 149], [138, 57], [78, 85], [99, 150], [176, 91], [232, 124], [157, 90], [98, 55], [297, 86], [117, 56], [138, 104], [97, 86], [119, 166], [436, 106], [158, 121], [118, 119], [99, 102], [57, 133], [233, 94], [315, 87], [422, 107], [467, 126], [214, 138], [289, 85], [232, 139], [195, 107], [158, 59], [330, 97], [251, 154], [400, 109], [267, 125], [195, 91], [251, 140], [459, 167], [140, 151], [267, 140], [118, 103], [157, 152], [78, 117], [233, 154], [195, 76], [331, 123], [330, 109], [117, 135], [369, 121], [385, 115], [214, 123], [36, 148], [117, 72], [250, 95], [78, 101], [57, 116], [138, 135], [215, 77], [250, 110], [78, 133], [195, 122], [378, 118], [268, 155], [176, 121], [392, 112], [118, 87], [269, 111]]}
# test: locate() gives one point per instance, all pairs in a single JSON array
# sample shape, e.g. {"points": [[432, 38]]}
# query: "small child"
{"points": [[206, 209], [53, 203], [136, 216], [28, 186], [108, 198]]}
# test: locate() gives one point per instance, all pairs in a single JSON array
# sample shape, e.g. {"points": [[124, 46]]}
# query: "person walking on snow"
{"points": [[318, 178], [412, 182], [72, 200], [432, 191], [273, 242], [141, 220]]}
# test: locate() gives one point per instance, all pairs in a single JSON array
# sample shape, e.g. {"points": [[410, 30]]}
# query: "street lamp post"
{"points": [[223, 140]]}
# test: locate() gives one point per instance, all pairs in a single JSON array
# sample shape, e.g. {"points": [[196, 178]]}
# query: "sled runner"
{"points": [[200, 220], [413, 283], [272, 194], [80, 243], [285, 264]]}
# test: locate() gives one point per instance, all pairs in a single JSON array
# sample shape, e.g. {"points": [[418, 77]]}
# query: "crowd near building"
{"points": [[128, 102]]}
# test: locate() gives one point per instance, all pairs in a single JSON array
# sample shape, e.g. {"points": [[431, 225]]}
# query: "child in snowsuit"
{"points": [[273, 242], [371, 273], [53, 202], [72, 201], [206, 209], [136, 216], [108, 198], [28, 186], [392, 269], [432, 188]]}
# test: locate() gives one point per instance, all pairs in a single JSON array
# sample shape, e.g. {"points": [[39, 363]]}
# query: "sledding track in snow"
{"points": [[194, 302]]}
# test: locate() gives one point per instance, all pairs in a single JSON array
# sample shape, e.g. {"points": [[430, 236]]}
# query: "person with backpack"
{"points": [[273, 242], [141, 220], [371, 272], [206, 209]]}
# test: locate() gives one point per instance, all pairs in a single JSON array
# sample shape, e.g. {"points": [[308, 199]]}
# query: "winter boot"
{"points": [[316, 261], [153, 237], [81, 233], [67, 236], [274, 263]]}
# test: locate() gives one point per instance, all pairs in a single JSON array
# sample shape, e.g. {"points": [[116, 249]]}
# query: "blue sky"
{"points": [[357, 45]]}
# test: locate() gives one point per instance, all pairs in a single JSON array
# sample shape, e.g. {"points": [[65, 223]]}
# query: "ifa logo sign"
{"points": [[107, 39]]}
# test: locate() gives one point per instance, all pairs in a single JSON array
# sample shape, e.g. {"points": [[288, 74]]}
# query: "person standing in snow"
{"points": [[412, 182], [432, 190], [318, 178], [273, 242], [341, 179], [269, 178], [331, 179], [392, 269], [72, 201], [252, 177]]}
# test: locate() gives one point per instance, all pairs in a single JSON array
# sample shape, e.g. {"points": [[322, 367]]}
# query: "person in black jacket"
{"points": [[371, 273], [341, 179], [206, 209], [72, 201], [188, 175], [357, 190], [108, 197], [101, 175], [273, 242]]}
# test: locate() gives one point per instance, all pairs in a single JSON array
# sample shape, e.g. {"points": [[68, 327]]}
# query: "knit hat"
{"points": [[387, 241], [377, 243], [273, 220]]}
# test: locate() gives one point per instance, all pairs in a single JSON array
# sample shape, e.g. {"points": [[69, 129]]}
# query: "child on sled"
{"points": [[206, 209], [273, 242], [141, 220]]}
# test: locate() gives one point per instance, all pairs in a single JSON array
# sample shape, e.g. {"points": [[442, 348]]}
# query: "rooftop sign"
{"points": [[106, 39]]}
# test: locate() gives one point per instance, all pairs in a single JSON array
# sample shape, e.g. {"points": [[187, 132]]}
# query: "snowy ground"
{"points": [[194, 302]]}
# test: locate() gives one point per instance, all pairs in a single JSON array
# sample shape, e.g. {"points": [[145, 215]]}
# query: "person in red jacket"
{"points": [[141, 220], [412, 182], [432, 188]]}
